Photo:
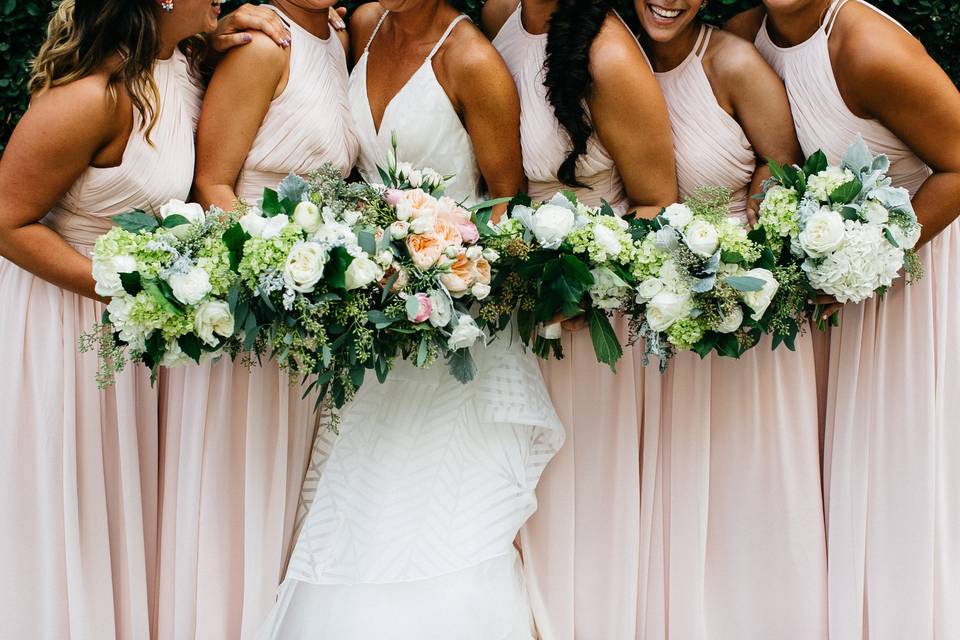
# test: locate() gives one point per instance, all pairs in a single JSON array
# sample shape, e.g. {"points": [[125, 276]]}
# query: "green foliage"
{"points": [[22, 23]]}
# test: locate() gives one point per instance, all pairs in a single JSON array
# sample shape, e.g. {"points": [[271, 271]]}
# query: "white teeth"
{"points": [[665, 13]]}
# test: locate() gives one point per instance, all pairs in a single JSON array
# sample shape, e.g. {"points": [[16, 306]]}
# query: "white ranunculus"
{"points": [[106, 273], [758, 301], [480, 290], [551, 331], [491, 255], [192, 211], [465, 334], [213, 318], [731, 322], [678, 215], [304, 266], [550, 224], [875, 213], [441, 310], [906, 239], [606, 239], [399, 229], [190, 287], [702, 238], [307, 215], [361, 272], [823, 233], [647, 289], [666, 308], [259, 227], [474, 253]]}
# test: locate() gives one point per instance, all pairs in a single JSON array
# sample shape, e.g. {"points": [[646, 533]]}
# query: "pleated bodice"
{"points": [[711, 146], [545, 144], [822, 119], [150, 173], [309, 123]]}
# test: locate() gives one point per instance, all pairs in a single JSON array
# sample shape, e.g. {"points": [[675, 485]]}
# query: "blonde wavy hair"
{"points": [[83, 34]]}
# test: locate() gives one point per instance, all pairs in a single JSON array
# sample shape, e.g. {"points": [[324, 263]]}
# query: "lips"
{"points": [[663, 13]]}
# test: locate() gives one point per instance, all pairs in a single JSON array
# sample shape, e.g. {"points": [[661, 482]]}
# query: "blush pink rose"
{"points": [[394, 196], [424, 308], [469, 233]]}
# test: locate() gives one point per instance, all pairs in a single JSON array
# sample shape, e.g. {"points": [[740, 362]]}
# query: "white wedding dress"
{"points": [[416, 504]]}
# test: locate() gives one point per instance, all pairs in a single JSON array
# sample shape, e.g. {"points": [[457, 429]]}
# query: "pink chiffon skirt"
{"points": [[79, 494], [892, 458], [732, 539], [236, 444], [580, 549]]}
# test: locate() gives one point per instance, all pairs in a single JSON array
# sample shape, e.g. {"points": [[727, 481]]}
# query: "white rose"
{"points": [[550, 224], [491, 255], [665, 239], [441, 310], [606, 239], [399, 229], [107, 272], [465, 334], [361, 272], [190, 287], [647, 289], [875, 213], [702, 238], [213, 318], [307, 215], [823, 233], [480, 290], [192, 211], [678, 215], [666, 308], [259, 227], [423, 224], [758, 301], [731, 322], [474, 253], [385, 258], [304, 266]]}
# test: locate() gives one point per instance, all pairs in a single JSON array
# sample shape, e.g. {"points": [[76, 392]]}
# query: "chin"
{"points": [[789, 6]]}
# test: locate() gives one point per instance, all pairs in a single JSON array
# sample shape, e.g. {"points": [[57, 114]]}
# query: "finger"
{"points": [[263, 20], [826, 300], [229, 41], [336, 20]]}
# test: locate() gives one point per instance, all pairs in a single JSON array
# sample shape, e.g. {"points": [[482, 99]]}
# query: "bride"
{"points": [[411, 530]]}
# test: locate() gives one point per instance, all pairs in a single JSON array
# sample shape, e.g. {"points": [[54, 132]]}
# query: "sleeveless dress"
{"points": [[238, 438], [416, 506], [79, 499], [732, 541], [580, 550], [891, 467]]}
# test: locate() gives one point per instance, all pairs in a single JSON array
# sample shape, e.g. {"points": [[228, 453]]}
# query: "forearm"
{"points": [[645, 211], [937, 204], [760, 175], [215, 195], [44, 253]]}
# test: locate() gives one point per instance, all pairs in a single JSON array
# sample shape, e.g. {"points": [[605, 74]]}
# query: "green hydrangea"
{"points": [[583, 240], [151, 315], [733, 237], [779, 212], [214, 258], [260, 254], [647, 259], [685, 333]]}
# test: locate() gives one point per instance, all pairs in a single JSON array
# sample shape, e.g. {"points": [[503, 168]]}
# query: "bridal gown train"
{"points": [[410, 532]]}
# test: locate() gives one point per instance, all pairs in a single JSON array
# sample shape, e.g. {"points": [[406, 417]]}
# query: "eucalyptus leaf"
{"points": [[412, 306], [462, 366], [422, 351], [744, 283], [136, 221], [890, 238], [704, 285], [367, 242]]}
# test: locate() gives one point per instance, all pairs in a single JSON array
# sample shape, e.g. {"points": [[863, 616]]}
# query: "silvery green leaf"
{"points": [[412, 306], [889, 236], [563, 200], [704, 285], [462, 366], [745, 283], [136, 221], [895, 199], [881, 163], [712, 264], [293, 187], [367, 242], [858, 157], [524, 214]]}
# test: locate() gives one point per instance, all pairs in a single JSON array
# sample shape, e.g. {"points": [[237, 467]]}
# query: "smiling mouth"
{"points": [[664, 14]]}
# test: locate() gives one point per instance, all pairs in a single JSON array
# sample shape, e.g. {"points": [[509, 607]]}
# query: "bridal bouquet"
{"points": [[844, 227], [168, 278], [703, 285], [563, 259]]}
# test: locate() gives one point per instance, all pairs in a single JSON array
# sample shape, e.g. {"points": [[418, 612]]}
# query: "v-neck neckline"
{"points": [[377, 128]]}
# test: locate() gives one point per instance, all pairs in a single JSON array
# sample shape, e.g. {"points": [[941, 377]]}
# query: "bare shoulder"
{"points": [[615, 54], [468, 54], [495, 14], [362, 23], [260, 53], [86, 103], [871, 45], [746, 24], [733, 60]]}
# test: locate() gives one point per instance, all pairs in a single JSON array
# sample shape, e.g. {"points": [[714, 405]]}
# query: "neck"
{"points": [[793, 27], [315, 21], [426, 22], [168, 45], [536, 14], [666, 56]]}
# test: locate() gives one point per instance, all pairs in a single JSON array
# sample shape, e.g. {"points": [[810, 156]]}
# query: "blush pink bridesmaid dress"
{"points": [[892, 450], [238, 438], [732, 542], [580, 550], [79, 497]]}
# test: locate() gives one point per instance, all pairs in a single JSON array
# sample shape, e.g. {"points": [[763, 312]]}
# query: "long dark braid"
{"points": [[573, 27]]}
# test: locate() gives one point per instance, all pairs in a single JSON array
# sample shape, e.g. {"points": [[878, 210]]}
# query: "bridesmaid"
{"points": [[891, 466], [109, 129], [238, 439], [585, 88], [732, 520]]}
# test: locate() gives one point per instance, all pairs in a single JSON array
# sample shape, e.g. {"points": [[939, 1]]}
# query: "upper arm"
{"points": [[494, 14], [490, 108], [362, 23], [759, 99], [228, 125], [895, 81], [631, 120], [746, 24], [56, 140]]}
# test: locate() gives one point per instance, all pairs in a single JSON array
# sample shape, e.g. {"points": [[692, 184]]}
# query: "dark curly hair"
{"points": [[573, 27]]}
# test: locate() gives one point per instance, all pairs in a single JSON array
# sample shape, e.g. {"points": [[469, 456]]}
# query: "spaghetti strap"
{"points": [[453, 23], [703, 40], [830, 18], [376, 29], [630, 31]]}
